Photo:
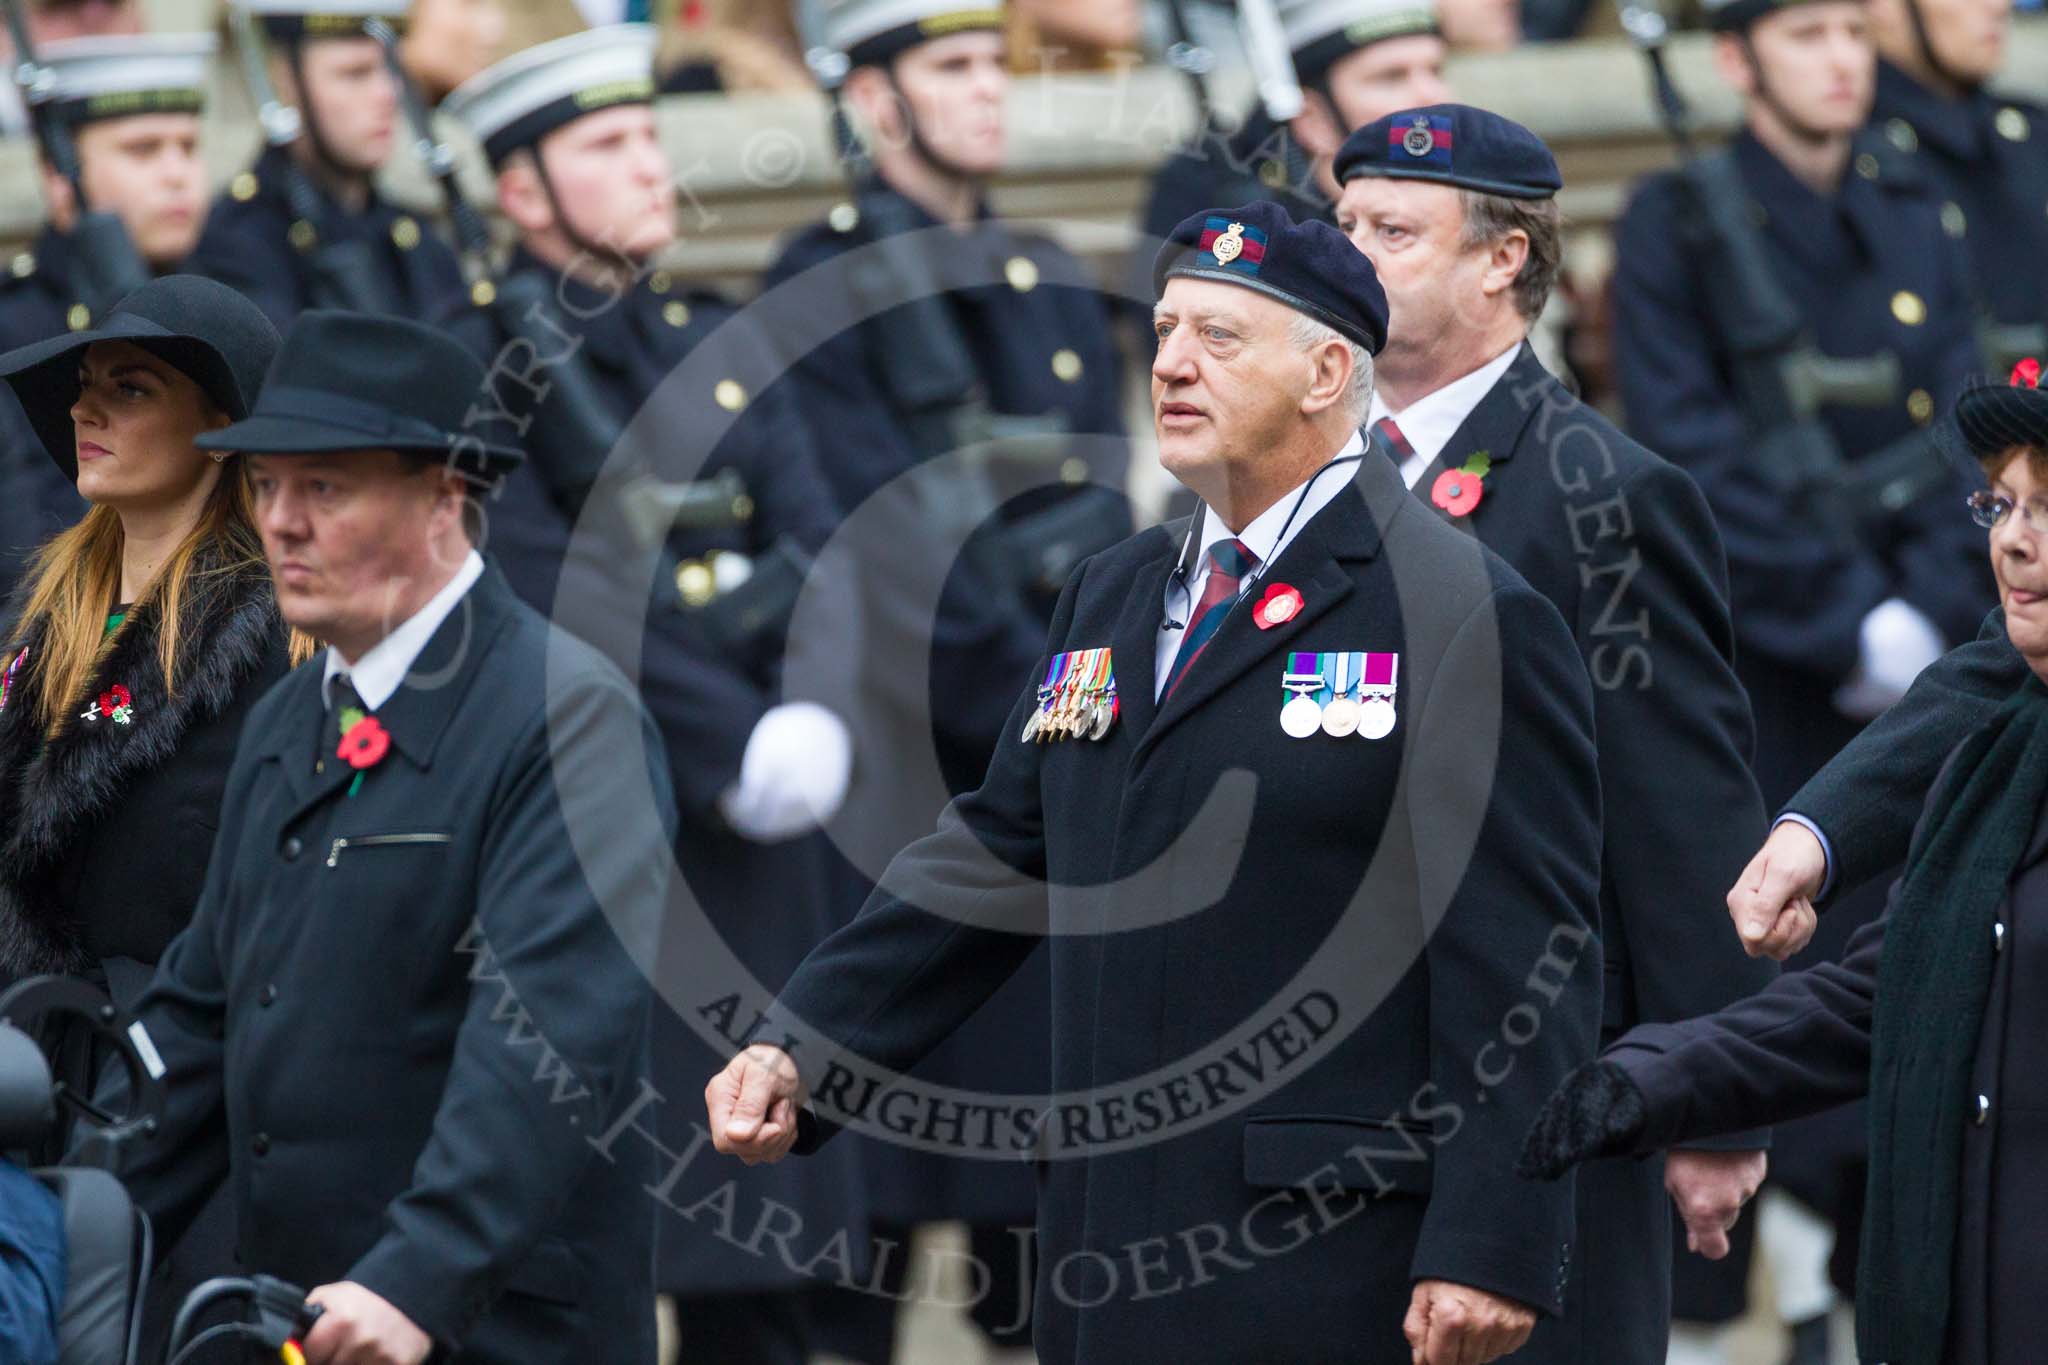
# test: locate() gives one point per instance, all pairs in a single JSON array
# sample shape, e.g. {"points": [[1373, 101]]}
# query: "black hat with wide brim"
{"points": [[200, 327], [360, 381], [1992, 418]]}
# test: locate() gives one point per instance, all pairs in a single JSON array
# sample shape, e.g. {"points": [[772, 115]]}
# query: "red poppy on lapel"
{"points": [[365, 744], [1458, 490], [2027, 374], [1281, 604]]}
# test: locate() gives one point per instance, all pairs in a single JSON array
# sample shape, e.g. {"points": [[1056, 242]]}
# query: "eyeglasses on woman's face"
{"points": [[1989, 510]]}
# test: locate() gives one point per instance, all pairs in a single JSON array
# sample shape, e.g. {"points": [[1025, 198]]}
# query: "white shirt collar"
{"points": [[1274, 529], [377, 675], [1431, 420]]}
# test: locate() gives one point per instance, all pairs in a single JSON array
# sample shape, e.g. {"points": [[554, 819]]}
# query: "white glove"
{"points": [[793, 775], [1897, 642]]}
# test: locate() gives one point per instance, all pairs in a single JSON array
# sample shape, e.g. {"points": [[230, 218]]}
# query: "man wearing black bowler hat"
{"points": [[1456, 208], [1297, 1018], [412, 992]]}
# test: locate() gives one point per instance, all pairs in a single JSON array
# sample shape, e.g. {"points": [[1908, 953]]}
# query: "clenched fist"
{"points": [[753, 1104], [1772, 901], [1451, 1324]]}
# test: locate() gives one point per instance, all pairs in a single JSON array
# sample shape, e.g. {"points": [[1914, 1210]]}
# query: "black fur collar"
{"points": [[52, 794]]}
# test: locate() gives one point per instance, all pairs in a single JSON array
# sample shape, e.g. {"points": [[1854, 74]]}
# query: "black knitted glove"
{"points": [[1598, 1111]]}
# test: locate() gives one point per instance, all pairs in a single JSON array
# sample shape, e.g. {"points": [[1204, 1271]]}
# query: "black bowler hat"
{"points": [[200, 327], [1311, 267], [1452, 144], [1992, 418], [360, 381]]}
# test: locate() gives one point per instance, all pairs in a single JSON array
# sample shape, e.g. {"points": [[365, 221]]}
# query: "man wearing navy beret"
{"points": [[1455, 207], [1306, 782]]}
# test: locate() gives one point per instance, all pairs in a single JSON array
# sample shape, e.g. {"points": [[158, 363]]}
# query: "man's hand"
{"points": [[1710, 1189], [1772, 901], [1449, 1324], [358, 1328], [753, 1104]]}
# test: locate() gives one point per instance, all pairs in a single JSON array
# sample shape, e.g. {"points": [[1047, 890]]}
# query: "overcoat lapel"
{"points": [[1494, 426], [1318, 563]]}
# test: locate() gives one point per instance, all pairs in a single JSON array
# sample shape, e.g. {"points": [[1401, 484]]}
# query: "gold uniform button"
{"points": [[1022, 273], [2011, 124], [243, 187], [843, 217], [483, 293], [1066, 365], [1866, 166], [1953, 221], [1073, 469], [1902, 135], [696, 584], [1273, 174], [729, 395], [24, 264], [1920, 406], [405, 232], [675, 314], [1908, 308], [301, 235], [78, 317], [660, 282]]}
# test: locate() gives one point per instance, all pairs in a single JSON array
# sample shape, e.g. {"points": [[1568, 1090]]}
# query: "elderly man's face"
{"points": [[1228, 380]]}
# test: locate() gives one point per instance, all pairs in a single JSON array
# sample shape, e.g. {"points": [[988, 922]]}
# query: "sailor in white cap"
{"points": [[569, 128], [265, 240], [132, 106], [1356, 60]]}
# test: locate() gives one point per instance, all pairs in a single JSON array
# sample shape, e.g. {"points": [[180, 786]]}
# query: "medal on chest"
{"points": [[1340, 694], [1076, 699]]}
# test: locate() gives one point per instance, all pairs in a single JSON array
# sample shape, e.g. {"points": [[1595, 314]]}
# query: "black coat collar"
{"points": [[427, 704], [51, 792], [1958, 128], [1495, 424]]}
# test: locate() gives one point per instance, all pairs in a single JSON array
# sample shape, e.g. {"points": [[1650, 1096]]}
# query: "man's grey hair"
{"points": [[1306, 333]]}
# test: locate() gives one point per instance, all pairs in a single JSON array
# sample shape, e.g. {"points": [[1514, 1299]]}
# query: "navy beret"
{"points": [[1453, 144], [1311, 267]]}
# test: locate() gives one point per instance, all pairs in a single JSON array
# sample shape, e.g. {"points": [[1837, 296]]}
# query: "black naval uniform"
{"points": [[252, 235], [1987, 158], [36, 302], [400, 1017], [1870, 269], [770, 903], [1625, 547], [1039, 348], [1261, 160], [1075, 815]]}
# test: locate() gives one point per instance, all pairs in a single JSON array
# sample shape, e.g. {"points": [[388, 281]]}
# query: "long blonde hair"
{"points": [[76, 578]]}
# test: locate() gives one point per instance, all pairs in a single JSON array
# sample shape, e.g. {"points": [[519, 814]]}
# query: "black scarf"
{"points": [[1934, 978]]}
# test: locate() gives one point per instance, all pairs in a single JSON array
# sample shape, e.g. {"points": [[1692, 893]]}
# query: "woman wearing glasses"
{"points": [[1938, 1012]]}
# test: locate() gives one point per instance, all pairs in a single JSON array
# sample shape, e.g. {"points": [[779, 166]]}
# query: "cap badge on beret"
{"points": [[1426, 138], [1234, 246]]}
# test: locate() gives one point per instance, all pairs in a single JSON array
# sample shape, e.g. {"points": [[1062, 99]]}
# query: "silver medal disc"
{"points": [[1031, 724], [1105, 711], [1376, 718], [1301, 717], [1340, 717]]}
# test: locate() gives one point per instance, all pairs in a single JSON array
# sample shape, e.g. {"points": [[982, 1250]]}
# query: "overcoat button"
{"points": [[260, 1144], [267, 996], [292, 848]]}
